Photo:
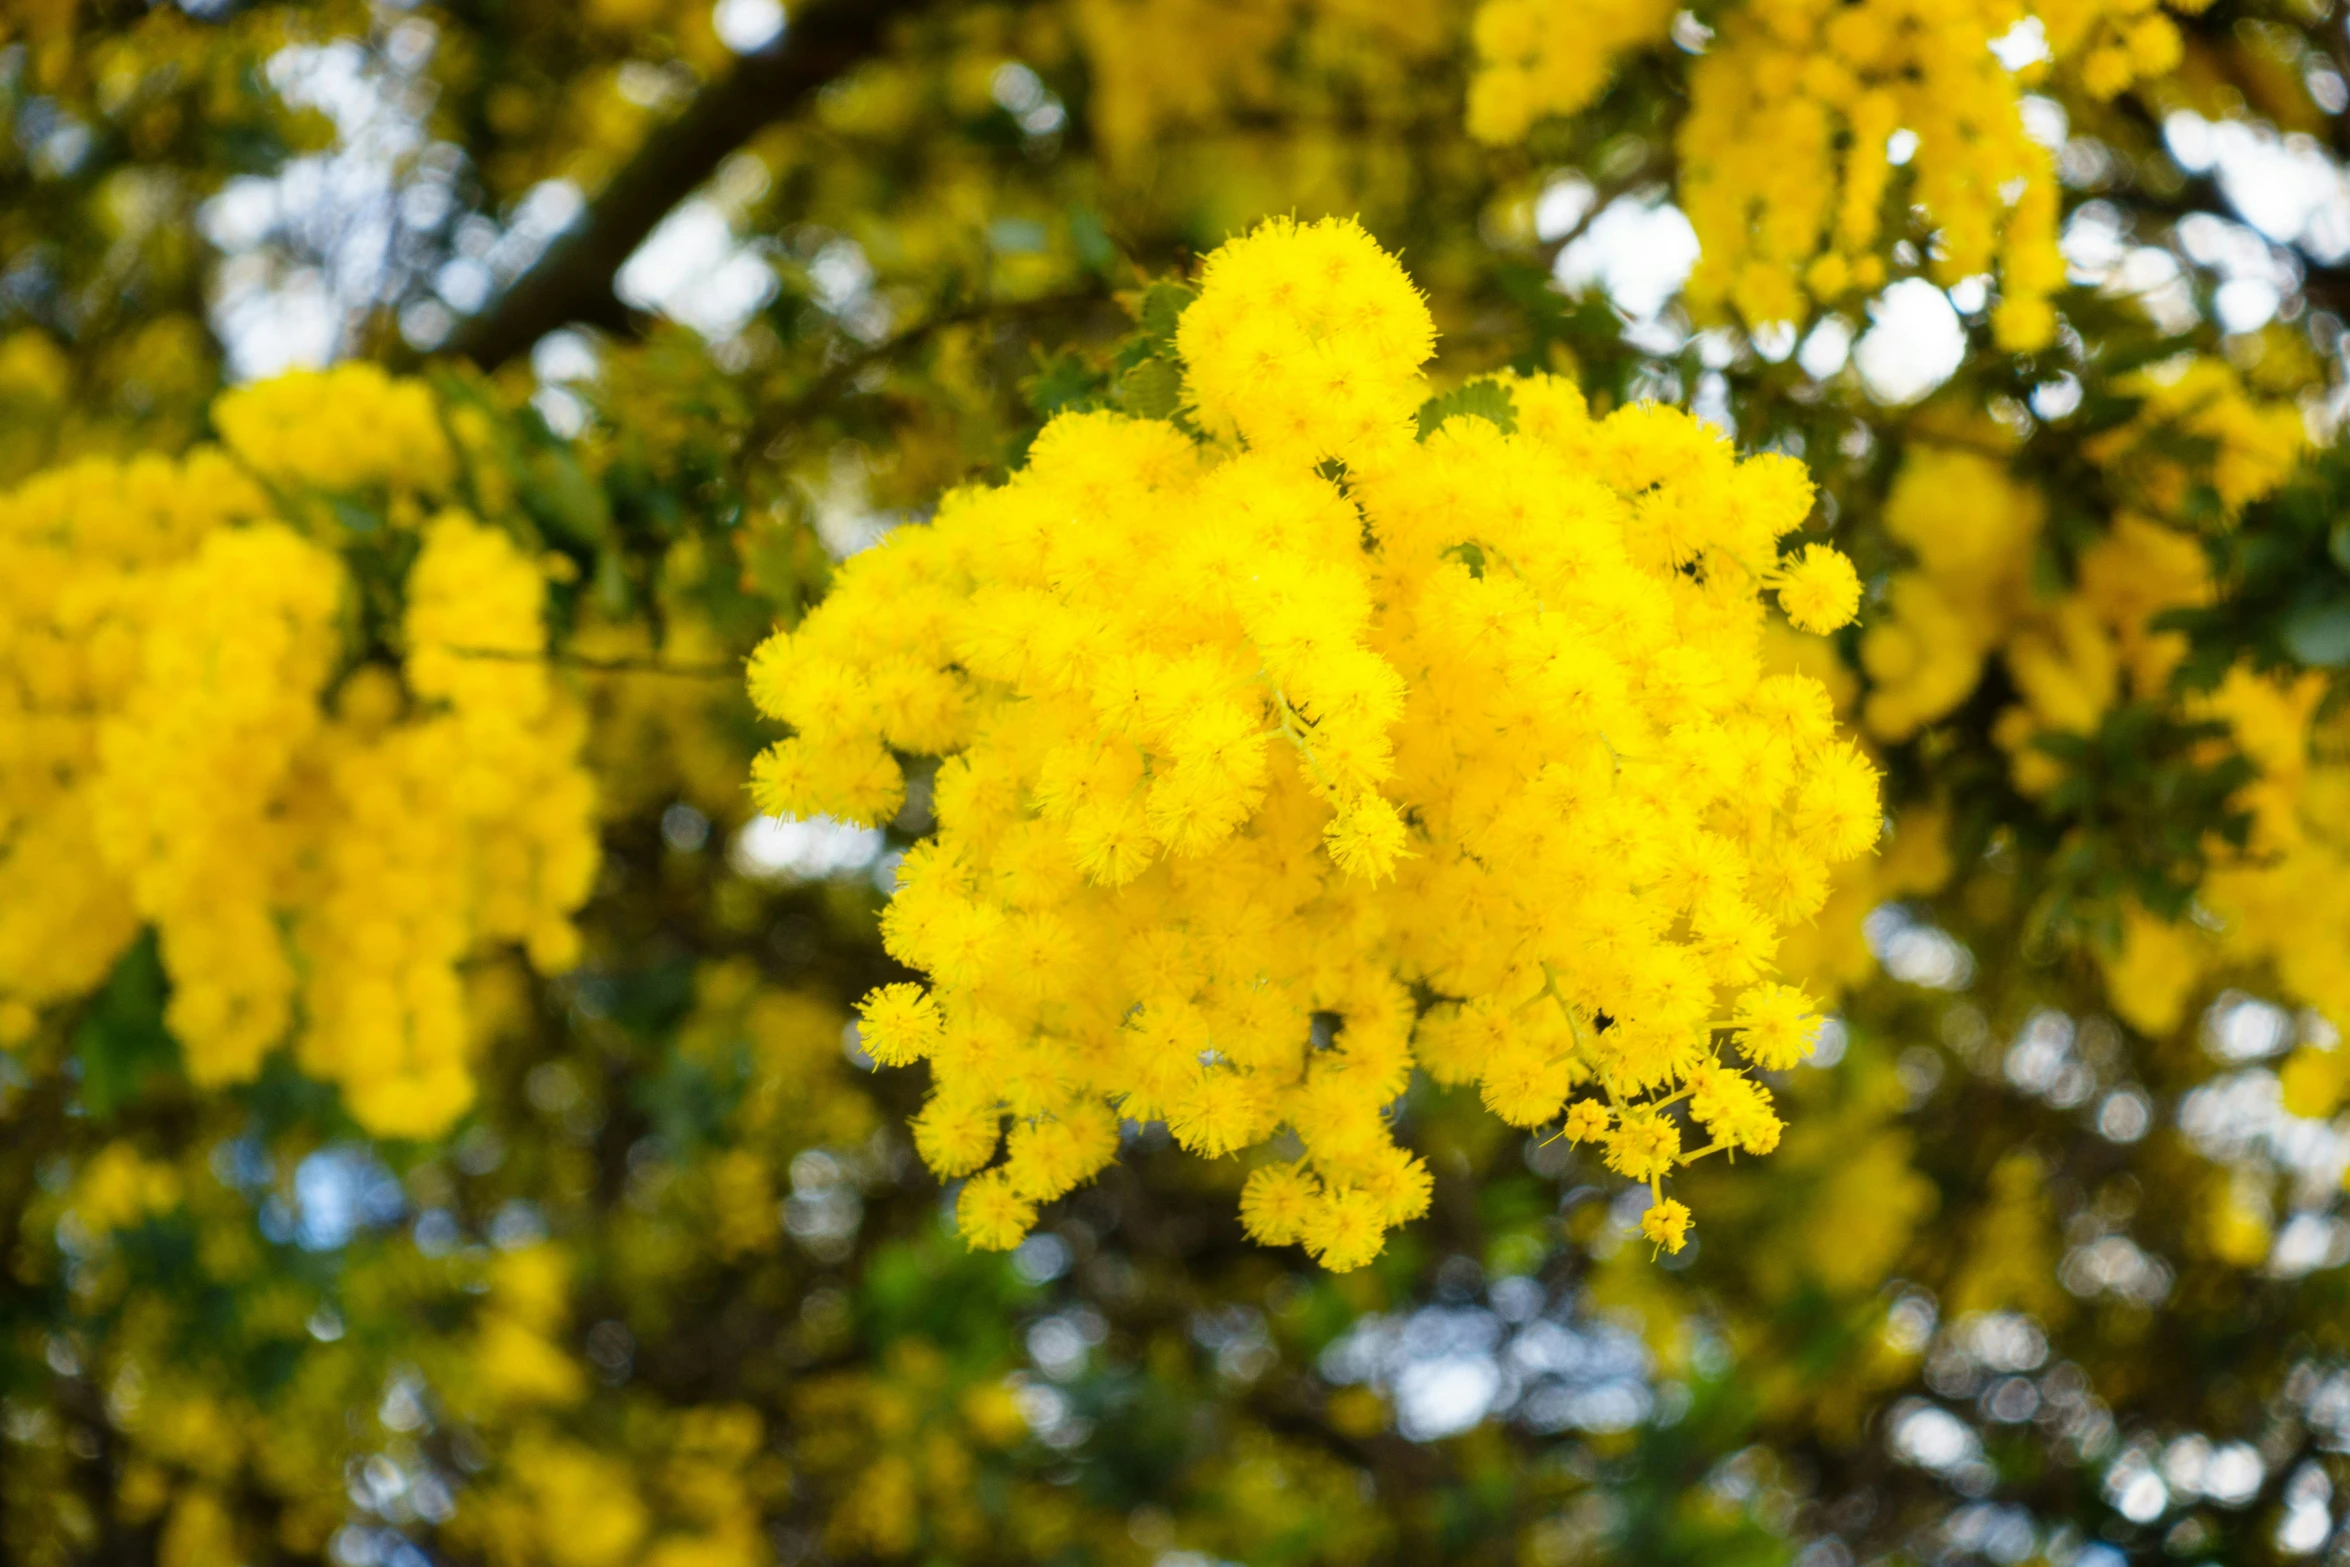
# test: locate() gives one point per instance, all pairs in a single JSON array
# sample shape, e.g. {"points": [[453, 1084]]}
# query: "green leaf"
{"points": [[1065, 383], [1484, 399], [1152, 389], [121, 1043], [1470, 555], [1163, 305], [565, 501], [2320, 633], [1090, 240], [354, 516], [614, 592]]}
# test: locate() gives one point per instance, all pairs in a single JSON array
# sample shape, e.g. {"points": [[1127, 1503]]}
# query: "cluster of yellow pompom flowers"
{"points": [[1974, 526], [190, 740], [2202, 446], [1277, 765], [1798, 115]]}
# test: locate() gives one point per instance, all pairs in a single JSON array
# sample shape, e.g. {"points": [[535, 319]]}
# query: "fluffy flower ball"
{"points": [[1306, 341], [1246, 744]]}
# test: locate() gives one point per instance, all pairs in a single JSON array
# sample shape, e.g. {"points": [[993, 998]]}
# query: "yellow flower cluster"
{"points": [[1157, 65], [1787, 173], [1244, 742], [1536, 59], [1787, 167], [1168, 61], [85, 552], [517, 1359], [2284, 904], [188, 800], [2111, 44], [2200, 448], [1974, 528], [467, 825], [2198, 427], [900, 1445], [654, 738], [338, 430], [692, 1493], [118, 1188], [686, 1503], [170, 633], [798, 1090]]}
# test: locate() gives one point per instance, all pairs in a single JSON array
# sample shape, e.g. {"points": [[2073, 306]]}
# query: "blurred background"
{"points": [[689, 303]]}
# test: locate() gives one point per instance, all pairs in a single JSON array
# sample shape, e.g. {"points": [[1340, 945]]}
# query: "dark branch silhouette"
{"points": [[572, 282]]}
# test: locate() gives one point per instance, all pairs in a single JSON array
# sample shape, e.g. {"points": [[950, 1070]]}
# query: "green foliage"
{"points": [[120, 1045], [1481, 399]]}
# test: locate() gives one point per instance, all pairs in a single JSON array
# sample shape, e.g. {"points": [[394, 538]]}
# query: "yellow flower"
{"points": [[1586, 1119], [1277, 1202], [1643, 1146], [990, 1216], [1819, 591], [1667, 1224], [899, 1024], [1776, 1026]]}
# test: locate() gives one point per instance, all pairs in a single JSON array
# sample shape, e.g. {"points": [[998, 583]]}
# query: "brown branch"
{"points": [[572, 282]]}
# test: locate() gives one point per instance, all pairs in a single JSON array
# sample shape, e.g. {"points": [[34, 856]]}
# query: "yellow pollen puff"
{"points": [[1777, 1026], [1667, 1224], [899, 1024], [990, 1215], [1277, 1203], [1819, 590], [1586, 1119]]}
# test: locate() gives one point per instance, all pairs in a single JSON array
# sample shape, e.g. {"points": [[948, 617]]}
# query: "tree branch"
{"points": [[838, 377], [572, 282]]}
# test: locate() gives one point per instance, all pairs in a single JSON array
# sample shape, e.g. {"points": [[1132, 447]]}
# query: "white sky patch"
{"points": [[1447, 1368], [2241, 1028], [564, 356], [1828, 348], [1915, 952], [1639, 251], [331, 210], [2045, 121], [2239, 1119], [2285, 186], [1914, 342], [747, 26], [1931, 1437], [791, 848], [846, 519], [2024, 44], [1564, 203], [693, 269], [307, 253]]}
